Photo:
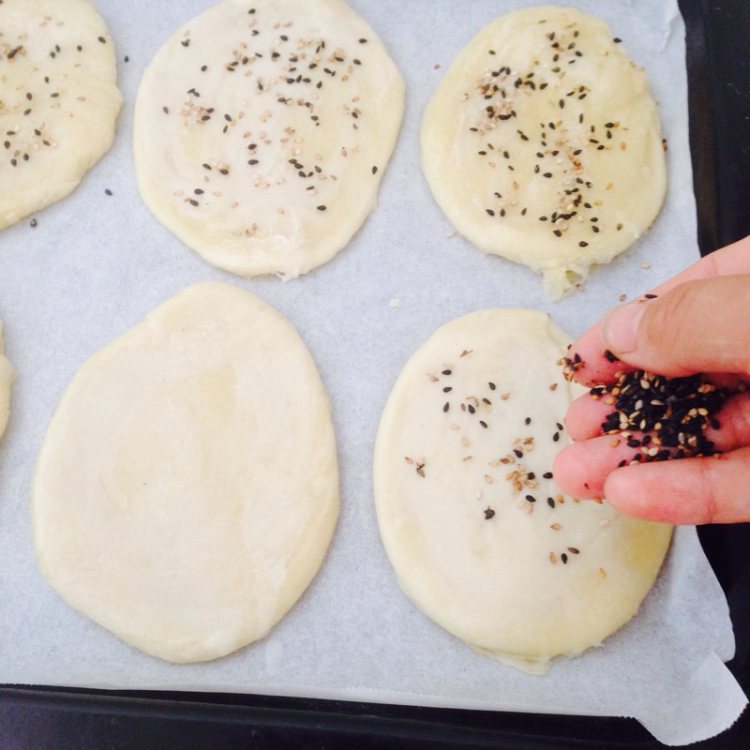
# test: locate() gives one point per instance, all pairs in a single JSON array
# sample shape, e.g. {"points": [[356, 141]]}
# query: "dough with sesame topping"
{"points": [[263, 129], [7, 376], [543, 144], [187, 487], [480, 537], [59, 100]]}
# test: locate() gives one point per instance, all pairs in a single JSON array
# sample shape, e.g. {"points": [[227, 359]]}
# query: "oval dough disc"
{"points": [[7, 376], [187, 488], [59, 100], [543, 144], [262, 131], [480, 539]]}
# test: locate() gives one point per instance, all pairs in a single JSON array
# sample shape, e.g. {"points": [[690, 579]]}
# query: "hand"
{"points": [[699, 321]]}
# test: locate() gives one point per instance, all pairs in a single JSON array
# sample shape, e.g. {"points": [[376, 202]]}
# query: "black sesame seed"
{"points": [[551, 502], [675, 410], [547, 475], [492, 386], [446, 406], [530, 498], [489, 513], [107, 191], [321, 208], [33, 223], [447, 372], [483, 423]]}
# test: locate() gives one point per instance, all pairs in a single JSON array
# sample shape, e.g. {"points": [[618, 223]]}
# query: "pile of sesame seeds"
{"points": [[663, 418]]}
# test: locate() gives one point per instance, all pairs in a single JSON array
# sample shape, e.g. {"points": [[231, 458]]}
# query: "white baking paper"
{"points": [[95, 265]]}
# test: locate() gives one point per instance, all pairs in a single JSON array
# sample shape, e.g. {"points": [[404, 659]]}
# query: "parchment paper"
{"points": [[95, 265]]}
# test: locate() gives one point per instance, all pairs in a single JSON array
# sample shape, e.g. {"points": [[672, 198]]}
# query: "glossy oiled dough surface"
{"points": [[262, 131], [187, 487], [6, 380], [58, 86], [543, 144], [519, 579]]}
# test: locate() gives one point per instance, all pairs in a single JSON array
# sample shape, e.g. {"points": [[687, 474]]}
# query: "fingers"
{"points": [[595, 368], [733, 259], [688, 491], [585, 416], [698, 326], [730, 260], [734, 424], [582, 469]]}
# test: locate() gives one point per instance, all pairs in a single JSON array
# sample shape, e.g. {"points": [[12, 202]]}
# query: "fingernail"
{"points": [[620, 328]]}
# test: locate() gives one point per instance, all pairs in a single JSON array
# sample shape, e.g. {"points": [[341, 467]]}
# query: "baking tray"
{"points": [[42, 718]]}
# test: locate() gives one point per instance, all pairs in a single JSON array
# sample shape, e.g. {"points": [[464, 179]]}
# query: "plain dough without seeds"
{"points": [[543, 144], [7, 376], [480, 540], [59, 100], [187, 488], [262, 132]]}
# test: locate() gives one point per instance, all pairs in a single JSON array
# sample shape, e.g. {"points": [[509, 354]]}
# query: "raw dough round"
{"points": [[59, 100], [7, 376], [187, 488], [480, 540], [262, 131], [543, 144]]}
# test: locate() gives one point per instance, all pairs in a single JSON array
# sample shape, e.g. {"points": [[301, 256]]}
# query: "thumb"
{"points": [[698, 326]]}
